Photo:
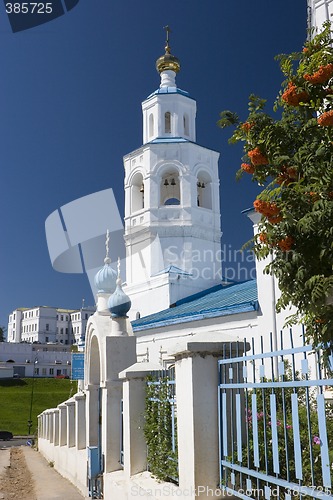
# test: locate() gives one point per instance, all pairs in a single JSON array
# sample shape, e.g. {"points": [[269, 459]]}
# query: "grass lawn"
{"points": [[15, 399]]}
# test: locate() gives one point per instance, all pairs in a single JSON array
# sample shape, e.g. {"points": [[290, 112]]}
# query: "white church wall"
{"points": [[69, 462], [154, 345]]}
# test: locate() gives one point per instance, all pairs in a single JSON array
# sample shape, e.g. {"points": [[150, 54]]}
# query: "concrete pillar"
{"points": [[43, 425], [62, 424], [197, 416], [70, 423], [51, 436], [92, 416], [80, 421], [120, 351], [39, 426], [46, 426], [56, 427], [134, 401], [111, 401]]}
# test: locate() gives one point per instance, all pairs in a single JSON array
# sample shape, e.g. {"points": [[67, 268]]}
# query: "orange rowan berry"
{"points": [[248, 168], [247, 126], [286, 243], [323, 74], [257, 157], [293, 95], [326, 119]]}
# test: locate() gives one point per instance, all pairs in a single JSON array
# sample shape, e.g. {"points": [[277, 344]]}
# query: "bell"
{"points": [[203, 185], [166, 182], [142, 188], [173, 182], [198, 184]]}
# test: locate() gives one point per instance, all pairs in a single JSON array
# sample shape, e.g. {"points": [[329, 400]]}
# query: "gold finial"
{"points": [[167, 46], [167, 61]]}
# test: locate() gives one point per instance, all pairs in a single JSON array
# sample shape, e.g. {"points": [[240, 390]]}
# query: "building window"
{"points": [[167, 122], [86, 316], [151, 125], [36, 371], [66, 331], [43, 371], [137, 192], [170, 188], [46, 339], [62, 318], [64, 371], [204, 191], [186, 128], [51, 371], [47, 327]]}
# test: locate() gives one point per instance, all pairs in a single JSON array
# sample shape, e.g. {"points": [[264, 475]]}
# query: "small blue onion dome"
{"points": [[106, 277], [119, 303]]}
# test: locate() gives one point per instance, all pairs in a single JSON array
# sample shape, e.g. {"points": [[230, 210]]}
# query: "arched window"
{"points": [[167, 122], [204, 191], [137, 193], [151, 125], [170, 188], [186, 125]]}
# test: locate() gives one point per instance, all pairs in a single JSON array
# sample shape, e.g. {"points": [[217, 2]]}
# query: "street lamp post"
{"points": [[32, 396]]}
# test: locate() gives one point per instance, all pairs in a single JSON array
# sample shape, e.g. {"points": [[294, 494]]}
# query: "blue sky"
{"points": [[70, 101]]}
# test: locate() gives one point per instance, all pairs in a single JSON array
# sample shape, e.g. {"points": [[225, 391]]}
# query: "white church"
{"points": [[175, 311]]}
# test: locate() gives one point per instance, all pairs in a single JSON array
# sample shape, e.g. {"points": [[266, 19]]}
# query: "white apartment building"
{"points": [[79, 321], [44, 324], [34, 360]]}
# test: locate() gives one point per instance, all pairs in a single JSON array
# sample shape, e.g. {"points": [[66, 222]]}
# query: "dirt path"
{"points": [[16, 482]]}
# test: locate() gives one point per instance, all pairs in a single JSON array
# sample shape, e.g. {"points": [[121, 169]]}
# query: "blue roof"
{"points": [[169, 90], [160, 140], [217, 301]]}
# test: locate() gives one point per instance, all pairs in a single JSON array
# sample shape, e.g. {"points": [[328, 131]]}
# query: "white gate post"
{"points": [[197, 418]]}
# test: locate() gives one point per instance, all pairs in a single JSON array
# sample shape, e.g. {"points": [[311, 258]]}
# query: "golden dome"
{"points": [[167, 61]]}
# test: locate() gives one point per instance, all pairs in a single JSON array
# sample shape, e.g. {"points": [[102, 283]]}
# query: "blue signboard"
{"points": [[77, 365]]}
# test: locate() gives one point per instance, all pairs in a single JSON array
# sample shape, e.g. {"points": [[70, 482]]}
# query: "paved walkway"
{"points": [[49, 485]]}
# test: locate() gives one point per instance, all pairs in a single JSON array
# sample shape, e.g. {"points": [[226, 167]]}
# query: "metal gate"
{"points": [[275, 421]]}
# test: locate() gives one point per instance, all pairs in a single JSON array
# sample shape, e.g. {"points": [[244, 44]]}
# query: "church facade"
{"points": [[175, 310]]}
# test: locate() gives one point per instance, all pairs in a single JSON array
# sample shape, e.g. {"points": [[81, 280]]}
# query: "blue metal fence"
{"points": [[275, 421]]}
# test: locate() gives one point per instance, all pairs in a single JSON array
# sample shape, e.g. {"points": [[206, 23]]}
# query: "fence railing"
{"points": [[161, 425], [275, 421]]}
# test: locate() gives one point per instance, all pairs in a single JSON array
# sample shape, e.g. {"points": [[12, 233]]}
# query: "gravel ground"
{"points": [[16, 482]]}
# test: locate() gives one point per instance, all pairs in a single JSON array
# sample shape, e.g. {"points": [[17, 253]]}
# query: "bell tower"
{"points": [[172, 207]]}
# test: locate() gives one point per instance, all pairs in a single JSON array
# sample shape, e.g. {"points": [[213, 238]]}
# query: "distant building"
{"points": [[44, 324], [39, 360]]}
